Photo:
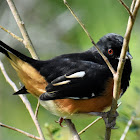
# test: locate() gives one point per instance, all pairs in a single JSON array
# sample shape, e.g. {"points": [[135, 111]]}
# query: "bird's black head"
{"points": [[111, 45]]}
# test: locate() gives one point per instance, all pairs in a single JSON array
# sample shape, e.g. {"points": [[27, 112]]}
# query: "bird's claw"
{"points": [[105, 116], [60, 121], [110, 124]]}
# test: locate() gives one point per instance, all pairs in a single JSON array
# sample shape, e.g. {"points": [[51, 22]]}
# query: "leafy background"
{"points": [[54, 31]]}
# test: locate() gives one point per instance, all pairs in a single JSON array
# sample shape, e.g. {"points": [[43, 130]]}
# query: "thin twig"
{"points": [[99, 118], [82, 25], [72, 129], [132, 5], [127, 8], [37, 109], [20, 131], [13, 35], [87, 127], [12, 84], [89, 36], [31, 112], [27, 41], [127, 128], [28, 44], [24, 100], [117, 77]]}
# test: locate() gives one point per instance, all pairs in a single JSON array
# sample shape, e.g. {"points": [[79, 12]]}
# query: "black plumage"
{"points": [[78, 75]]}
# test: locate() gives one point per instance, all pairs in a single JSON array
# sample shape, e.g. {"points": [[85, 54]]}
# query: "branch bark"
{"points": [[126, 7], [24, 100], [37, 109], [27, 41], [20, 131], [118, 75], [72, 129], [127, 128], [28, 44], [13, 35], [89, 36], [87, 127]]}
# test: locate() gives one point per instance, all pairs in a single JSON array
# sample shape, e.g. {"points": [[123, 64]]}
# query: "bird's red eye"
{"points": [[110, 51]]}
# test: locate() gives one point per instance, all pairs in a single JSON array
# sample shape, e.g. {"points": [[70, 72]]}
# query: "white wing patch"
{"points": [[77, 75], [92, 95], [77, 98], [61, 83]]}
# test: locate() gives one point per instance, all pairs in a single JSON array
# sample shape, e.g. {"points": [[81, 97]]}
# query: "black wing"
{"points": [[78, 79]]}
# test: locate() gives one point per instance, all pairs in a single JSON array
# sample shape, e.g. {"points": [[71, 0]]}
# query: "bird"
{"points": [[72, 84]]}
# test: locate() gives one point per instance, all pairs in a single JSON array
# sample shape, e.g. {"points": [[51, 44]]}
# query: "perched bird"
{"points": [[72, 84]]}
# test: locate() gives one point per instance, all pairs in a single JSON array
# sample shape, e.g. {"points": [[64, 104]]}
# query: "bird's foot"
{"points": [[110, 124], [105, 116], [60, 121]]}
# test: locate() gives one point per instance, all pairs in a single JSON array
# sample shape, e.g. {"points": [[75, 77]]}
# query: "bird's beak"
{"points": [[128, 55]]}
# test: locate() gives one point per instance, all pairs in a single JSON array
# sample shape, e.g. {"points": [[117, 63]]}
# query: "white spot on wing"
{"points": [[75, 98], [61, 83], [77, 75], [92, 95]]}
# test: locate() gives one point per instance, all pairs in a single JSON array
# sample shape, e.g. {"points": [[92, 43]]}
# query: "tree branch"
{"points": [[20, 131], [132, 5], [37, 109], [13, 35], [24, 100], [87, 127], [89, 36], [118, 75], [72, 129], [127, 8], [27, 41], [95, 121], [127, 128], [28, 44]]}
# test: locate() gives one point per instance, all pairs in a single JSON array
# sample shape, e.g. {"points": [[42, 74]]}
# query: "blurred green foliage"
{"points": [[54, 31]]}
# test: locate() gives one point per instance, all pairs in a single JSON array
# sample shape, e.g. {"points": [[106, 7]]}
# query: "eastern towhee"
{"points": [[72, 83]]}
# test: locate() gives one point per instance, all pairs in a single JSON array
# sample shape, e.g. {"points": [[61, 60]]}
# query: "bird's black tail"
{"points": [[10, 53], [25, 67], [18, 60]]}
